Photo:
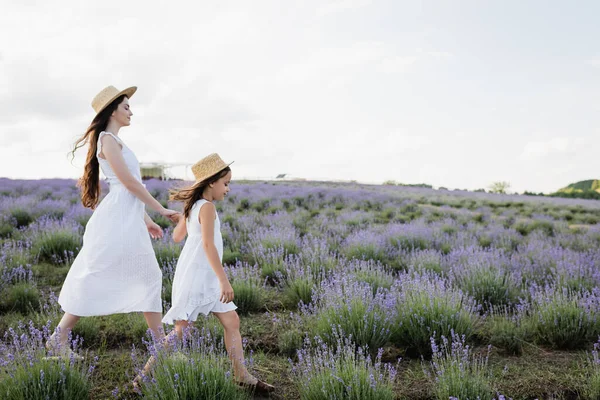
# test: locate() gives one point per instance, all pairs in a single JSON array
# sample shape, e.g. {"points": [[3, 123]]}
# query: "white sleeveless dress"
{"points": [[196, 288], [116, 270]]}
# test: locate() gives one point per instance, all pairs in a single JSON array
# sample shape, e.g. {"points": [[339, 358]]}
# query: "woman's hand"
{"points": [[226, 292], [171, 214], [155, 230]]}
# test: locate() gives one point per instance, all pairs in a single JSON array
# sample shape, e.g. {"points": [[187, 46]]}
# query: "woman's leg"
{"points": [[65, 326], [233, 343]]}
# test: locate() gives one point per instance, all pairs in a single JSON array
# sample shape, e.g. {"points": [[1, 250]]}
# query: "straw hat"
{"points": [[108, 95], [208, 166]]}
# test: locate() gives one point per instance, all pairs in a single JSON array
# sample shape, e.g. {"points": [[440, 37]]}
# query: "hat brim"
{"points": [[214, 173], [127, 92]]}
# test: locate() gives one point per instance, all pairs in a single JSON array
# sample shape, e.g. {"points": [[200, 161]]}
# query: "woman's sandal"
{"points": [[60, 351]]}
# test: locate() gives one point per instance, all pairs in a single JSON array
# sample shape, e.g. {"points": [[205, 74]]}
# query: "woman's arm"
{"points": [[112, 153], [207, 226]]}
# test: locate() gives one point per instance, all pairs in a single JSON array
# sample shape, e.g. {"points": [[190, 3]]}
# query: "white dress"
{"points": [[116, 270], [196, 288]]}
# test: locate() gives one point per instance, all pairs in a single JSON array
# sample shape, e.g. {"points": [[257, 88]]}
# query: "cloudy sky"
{"points": [[455, 93]]}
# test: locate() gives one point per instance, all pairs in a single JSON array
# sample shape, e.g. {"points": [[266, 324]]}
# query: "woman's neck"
{"points": [[113, 128]]}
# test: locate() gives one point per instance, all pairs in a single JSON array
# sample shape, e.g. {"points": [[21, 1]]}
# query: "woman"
{"points": [[116, 270]]}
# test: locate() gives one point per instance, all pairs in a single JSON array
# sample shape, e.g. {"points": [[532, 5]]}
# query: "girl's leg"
{"points": [[180, 326], [165, 341], [233, 343], [154, 321]]}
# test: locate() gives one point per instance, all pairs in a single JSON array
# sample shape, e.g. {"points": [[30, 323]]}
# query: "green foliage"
{"points": [[299, 289], [57, 247], [289, 341], [203, 375], [367, 325], [429, 310], [21, 297], [41, 380], [343, 373], [560, 319], [21, 217], [507, 333], [499, 187], [166, 251], [458, 373]]}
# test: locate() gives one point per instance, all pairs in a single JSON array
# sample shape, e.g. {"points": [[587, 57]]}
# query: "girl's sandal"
{"points": [[259, 387], [136, 384]]}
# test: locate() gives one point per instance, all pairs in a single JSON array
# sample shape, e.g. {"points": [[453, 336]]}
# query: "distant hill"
{"points": [[589, 189]]}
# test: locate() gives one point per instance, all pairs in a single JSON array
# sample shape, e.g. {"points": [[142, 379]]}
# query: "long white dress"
{"points": [[116, 270], [196, 288]]}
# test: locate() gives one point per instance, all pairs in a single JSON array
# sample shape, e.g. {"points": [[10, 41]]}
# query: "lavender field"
{"points": [[345, 291]]}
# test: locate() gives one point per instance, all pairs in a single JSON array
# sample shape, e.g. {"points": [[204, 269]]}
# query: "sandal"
{"points": [[258, 387], [60, 351]]}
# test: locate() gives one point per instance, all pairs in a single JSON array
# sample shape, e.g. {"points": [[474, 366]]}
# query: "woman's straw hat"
{"points": [[108, 95], [208, 166]]}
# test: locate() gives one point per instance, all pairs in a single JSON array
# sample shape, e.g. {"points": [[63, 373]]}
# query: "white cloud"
{"points": [[335, 6], [538, 150], [397, 64], [341, 89], [595, 62]]}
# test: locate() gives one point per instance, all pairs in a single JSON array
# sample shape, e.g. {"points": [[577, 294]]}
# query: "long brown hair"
{"points": [[191, 194], [90, 181]]}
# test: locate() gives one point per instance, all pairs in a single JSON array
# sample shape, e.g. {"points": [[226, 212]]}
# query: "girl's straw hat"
{"points": [[108, 95], [208, 166]]}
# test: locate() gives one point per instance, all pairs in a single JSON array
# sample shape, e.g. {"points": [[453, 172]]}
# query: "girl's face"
{"points": [[122, 115], [221, 187]]}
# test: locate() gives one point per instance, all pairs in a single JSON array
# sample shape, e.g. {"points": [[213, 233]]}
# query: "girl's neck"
{"points": [[207, 195]]}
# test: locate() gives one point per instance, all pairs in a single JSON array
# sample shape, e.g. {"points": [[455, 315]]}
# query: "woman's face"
{"points": [[122, 115], [221, 187]]}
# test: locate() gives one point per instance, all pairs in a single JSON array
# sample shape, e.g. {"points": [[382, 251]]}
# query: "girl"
{"points": [[116, 270], [200, 285]]}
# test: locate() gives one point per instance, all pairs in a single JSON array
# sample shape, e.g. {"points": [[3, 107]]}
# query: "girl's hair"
{"points": [[191, 194], [90, 182]]}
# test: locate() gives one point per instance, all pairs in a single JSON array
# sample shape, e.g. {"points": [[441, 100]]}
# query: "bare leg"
{"points": [[65, 326], [233, 343], [58, 342], [180, 326], [155, 324], [154, 321]]}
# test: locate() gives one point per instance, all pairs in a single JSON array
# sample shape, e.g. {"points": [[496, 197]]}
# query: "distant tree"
{"points": [[526, 193], [480, 190], [390, 182], [499, 187]]}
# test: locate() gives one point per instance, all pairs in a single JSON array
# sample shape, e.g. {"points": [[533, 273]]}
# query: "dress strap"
{"points": [[103, 133]]}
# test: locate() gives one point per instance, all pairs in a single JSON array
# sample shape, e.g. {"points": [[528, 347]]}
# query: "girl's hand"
{"points": [[177, 217], [165, 212], [226, 292], [155, 230]]}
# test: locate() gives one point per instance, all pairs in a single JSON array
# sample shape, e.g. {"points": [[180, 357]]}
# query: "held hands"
{"points": [[171, 214], [226, 292]]}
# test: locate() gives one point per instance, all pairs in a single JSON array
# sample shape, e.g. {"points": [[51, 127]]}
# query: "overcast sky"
{"points": [[450, 93]]}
